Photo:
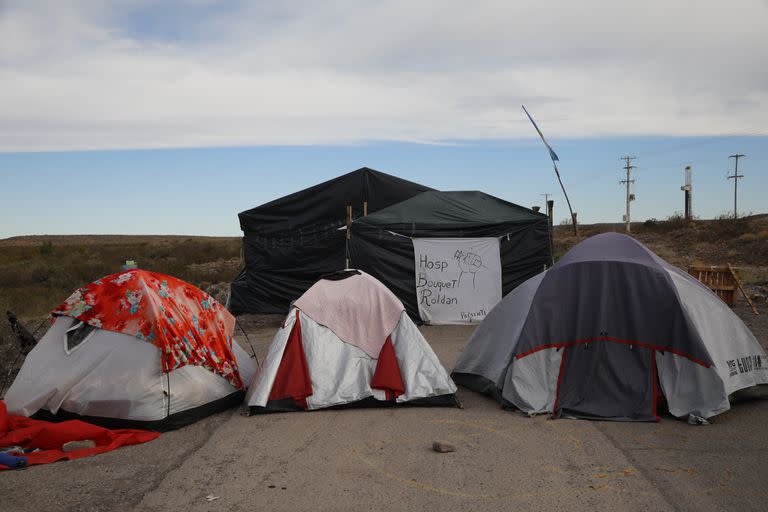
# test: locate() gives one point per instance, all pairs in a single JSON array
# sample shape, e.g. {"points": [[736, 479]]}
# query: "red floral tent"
{"points": [[185, 323]]}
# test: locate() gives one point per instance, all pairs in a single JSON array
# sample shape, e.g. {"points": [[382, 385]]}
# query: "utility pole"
{"points": [[688, 194], [628, 182], [735, 177]]}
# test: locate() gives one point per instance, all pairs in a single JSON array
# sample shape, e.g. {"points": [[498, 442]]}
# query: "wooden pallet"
{"points": [[723, 280], [718, 278]]}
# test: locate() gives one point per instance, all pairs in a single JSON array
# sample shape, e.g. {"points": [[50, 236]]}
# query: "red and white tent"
{"points": [[135, 348], [348, 340]]}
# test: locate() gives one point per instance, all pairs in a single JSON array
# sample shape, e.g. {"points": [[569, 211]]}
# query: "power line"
{"points": [[628, 182], [735, 177]]}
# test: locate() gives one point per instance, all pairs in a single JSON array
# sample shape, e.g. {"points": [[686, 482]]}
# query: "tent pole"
{"points": [[168, 385], [253, 352], [42, 322]]}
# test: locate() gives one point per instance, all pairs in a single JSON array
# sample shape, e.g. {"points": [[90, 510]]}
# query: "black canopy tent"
{"points": [[381, 242], [290, 242]]}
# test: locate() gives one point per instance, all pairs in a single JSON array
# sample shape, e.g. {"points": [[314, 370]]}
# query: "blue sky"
{"points": [[200, 191], [133, 116]]}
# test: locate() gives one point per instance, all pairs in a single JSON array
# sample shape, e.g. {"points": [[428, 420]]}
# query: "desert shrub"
{"points": [[40, 273], [726, 227], [674, 222], [748, 237], [46, 248]]}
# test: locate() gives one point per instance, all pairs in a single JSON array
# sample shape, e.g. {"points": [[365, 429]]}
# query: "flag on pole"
{"points": [[552, 154]]}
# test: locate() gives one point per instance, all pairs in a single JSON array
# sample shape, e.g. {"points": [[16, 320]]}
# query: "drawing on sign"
{"points": [[469, 263]]}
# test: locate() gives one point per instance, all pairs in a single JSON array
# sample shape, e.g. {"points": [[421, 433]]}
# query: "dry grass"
{"points": [[38, 273]]}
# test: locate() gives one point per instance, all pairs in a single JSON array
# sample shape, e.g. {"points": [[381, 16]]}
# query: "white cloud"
{"points": [[92, 75]]}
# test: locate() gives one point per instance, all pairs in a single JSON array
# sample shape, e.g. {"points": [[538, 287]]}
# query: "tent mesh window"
{"points": [[77, 334]]}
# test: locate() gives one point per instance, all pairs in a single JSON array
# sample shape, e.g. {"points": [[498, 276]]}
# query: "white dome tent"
{"points": [[347, 341], [134, 350]]}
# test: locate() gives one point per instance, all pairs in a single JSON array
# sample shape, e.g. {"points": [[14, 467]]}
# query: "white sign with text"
{"points": [[458, 280]]}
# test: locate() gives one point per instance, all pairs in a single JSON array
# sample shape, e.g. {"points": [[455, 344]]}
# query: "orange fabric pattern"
{"points": [[185, 323]]}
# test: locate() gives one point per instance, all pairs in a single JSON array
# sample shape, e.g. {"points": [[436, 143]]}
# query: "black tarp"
{"points": [[381, 243], [289, 243]]}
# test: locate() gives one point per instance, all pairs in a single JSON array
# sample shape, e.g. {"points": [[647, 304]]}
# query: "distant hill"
{"points": [[34, 240]]}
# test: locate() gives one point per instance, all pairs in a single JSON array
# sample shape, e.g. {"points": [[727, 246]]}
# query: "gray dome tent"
{"points": [[607, 330]]}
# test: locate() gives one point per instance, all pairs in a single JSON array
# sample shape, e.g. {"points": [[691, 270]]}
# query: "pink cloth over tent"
{"points": [[359, 310]]}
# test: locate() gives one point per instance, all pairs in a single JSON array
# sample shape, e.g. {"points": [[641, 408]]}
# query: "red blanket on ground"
{"points": [[50, 437]]}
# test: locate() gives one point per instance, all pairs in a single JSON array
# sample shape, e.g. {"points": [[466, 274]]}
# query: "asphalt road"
{"points": [[381, 459]]}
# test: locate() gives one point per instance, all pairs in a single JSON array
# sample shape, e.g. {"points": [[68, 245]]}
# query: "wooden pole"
{"points": [[349, 236], [349, 220], [550, 212], [575, 225], [551, 228], [738, 283]]}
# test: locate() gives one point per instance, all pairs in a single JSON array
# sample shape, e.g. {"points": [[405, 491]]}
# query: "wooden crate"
{"points": [[718, 278]]}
